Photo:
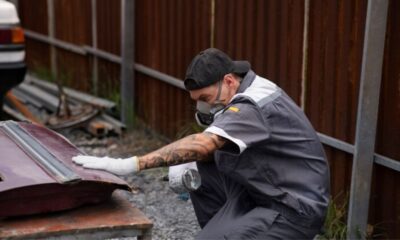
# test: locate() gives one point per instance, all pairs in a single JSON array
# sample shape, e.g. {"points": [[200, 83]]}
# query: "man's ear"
{"points": [[230, 79]]}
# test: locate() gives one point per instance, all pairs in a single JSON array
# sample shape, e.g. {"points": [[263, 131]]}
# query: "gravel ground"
{"points": [[173, 218]]}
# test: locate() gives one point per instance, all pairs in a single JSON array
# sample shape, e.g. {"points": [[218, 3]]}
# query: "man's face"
{"points": [[209, 94]]}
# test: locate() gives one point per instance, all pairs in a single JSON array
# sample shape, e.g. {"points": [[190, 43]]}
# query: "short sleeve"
{"points": [[242, 124]]}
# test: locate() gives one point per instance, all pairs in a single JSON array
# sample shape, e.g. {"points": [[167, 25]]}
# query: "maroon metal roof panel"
{"points": [[37, 174]]}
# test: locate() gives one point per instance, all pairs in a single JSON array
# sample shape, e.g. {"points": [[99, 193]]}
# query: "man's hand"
{"points": [[116, 166]]}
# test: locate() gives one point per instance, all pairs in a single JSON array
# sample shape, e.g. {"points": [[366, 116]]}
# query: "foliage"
{"points": [[44, 73], [335, 223], [335, 226]]}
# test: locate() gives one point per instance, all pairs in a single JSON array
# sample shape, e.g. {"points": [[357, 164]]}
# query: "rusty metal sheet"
{"points": [[38, 174]]}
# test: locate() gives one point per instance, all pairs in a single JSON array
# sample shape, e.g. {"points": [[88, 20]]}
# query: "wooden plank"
{"points": [[114, 218]]}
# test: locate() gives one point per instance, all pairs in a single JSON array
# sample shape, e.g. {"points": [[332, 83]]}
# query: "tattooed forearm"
{"points": [[197, 147], [162, 159]]}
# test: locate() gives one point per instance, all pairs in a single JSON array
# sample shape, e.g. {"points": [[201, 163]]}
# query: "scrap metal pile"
{"points": [[59, 108]]}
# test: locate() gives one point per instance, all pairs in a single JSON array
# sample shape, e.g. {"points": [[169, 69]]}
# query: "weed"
{"points": [[44, 73], [335, 226], [335, 222]]}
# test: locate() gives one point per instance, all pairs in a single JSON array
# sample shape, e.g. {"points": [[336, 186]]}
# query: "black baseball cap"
{"points": [[210, 66]]}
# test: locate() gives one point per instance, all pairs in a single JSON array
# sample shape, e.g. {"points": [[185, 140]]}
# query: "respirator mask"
{"points": [[205, 112]]}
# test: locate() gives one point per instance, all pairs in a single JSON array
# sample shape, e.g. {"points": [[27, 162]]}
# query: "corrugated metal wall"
{"points": [[38, 53], [336, 34], [108, 39], [335, 44], [73, 25], [385, 198], [267, 33], [168, 35]]}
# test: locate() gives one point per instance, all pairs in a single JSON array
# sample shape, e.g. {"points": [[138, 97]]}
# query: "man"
{"points": [[264, 172]]}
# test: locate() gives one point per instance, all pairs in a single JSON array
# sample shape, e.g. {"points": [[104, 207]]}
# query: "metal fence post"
{"points": [[127, 65], [95, 65], [367, 114], [51, 33]]}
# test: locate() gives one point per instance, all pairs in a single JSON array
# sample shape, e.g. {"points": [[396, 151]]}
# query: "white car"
{"points": [[12, 49]]}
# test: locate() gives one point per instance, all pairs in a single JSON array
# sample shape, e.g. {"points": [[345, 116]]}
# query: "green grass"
{"points": [[335, 226], [335, 222]]}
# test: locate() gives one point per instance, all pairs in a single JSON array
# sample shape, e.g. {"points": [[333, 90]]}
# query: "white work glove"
{"points": [[177, 170], [116, 166], [176, 178]]}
